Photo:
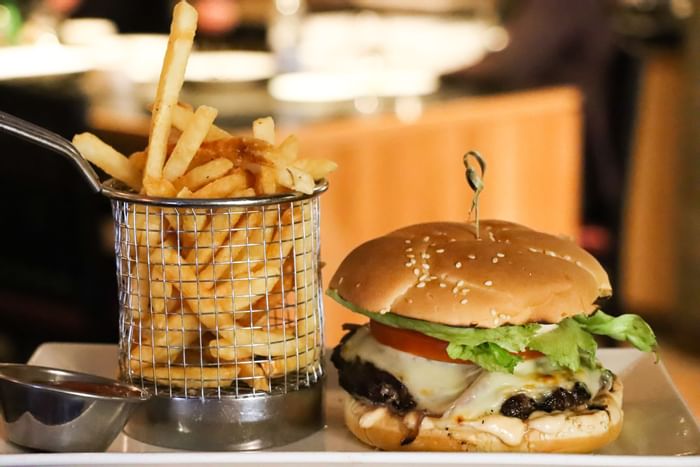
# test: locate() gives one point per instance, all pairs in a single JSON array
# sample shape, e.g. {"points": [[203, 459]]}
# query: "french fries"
{"points": [[213, 295], [182, 115], [264, 129], [172, 76], [223, 187], [317, 168], [205, 173], [108, 159], [189, 142]]}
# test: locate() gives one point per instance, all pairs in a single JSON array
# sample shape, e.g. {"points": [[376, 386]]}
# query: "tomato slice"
{"points": [[418, 344]]}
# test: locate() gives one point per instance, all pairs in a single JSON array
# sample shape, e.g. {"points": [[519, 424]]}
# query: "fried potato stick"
{"points": [[108, 159], [264, 129], [199, 176], [166, 338], [189, 142], [182, 116], [209, 240], [191, 376], [172, 76]]}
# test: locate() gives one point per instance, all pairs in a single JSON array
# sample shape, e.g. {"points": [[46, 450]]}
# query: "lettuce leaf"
{"points": [[568, 345], [487, 355], [630, 328]]}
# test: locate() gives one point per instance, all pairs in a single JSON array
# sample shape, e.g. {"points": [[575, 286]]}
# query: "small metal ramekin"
{"points": [[62, 411]]}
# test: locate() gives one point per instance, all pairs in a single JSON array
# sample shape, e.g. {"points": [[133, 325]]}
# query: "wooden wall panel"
{"points": [[649, 260]]}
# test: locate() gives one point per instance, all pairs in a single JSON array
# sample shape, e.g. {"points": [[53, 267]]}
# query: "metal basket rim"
{"points": [[112, 189]]}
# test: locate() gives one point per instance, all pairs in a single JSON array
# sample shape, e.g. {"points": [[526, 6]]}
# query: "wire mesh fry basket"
{"points": [[221, 317]]}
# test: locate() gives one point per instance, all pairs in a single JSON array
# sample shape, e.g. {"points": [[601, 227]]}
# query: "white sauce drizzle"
{"points": [[370, 418], [508, 429]]}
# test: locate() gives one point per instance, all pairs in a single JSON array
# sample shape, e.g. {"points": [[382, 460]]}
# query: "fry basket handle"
{"points": [[49, 140]]}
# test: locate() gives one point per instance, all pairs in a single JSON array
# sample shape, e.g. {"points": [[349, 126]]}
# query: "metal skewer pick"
{"points": [[476, 183]]}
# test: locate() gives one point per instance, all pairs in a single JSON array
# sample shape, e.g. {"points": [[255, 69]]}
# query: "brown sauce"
{"points": [[99, 389]]}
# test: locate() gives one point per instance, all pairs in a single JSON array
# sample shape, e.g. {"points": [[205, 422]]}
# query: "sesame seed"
{"points": [[567, 257], [502, 316], [464, 291], [579, 264], [440, 250], [458, 265], [409, 300], [492, 237], [472, 257], [340, 281], [426, 238], [420, 285], [425, 255], [410, 255], [409, 249], [534, 250], [493, 312], [424, 278], [455, 290], [442, 285], [494, 260], [488, 283], [383, 311], [464, 301], [407, 241], [452, 240], [496, 322], [416, 271], [460, 283], [550, 253], [409, 264], [432, 278], [357, 285], [500, 255], [426, 266]]}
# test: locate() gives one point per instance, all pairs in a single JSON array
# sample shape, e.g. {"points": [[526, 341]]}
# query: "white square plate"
{"points": [[659, 429]]}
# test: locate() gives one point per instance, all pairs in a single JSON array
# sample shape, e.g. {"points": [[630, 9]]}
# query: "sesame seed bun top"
{"points": [[441, 272]]}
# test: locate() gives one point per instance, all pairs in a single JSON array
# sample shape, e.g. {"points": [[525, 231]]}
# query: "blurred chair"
{"points": [[392, 174]]}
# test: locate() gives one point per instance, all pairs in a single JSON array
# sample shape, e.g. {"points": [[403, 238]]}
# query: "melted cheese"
{"points": [[462, 392], [532, 377], [433, 385]]}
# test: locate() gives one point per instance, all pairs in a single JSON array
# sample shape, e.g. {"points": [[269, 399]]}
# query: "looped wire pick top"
{"points": [[476, 183]]}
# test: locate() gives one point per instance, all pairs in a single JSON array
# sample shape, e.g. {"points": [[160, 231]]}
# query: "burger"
{"points": [[479, 342]]}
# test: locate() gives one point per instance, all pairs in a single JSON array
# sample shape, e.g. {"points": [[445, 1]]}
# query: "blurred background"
{"points": [[588, 113]]}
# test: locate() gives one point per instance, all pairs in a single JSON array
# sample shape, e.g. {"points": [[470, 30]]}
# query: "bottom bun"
{"points": [[568, 431]]}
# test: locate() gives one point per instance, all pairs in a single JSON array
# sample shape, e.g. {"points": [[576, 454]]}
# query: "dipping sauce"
{"points": [[98, 389]]}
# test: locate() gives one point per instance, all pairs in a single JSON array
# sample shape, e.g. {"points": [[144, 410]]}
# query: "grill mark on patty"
{"points": [[521, 406], [365, 381]]}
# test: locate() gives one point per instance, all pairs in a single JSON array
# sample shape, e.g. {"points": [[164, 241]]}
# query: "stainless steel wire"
{"points": [[220, 301]]}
